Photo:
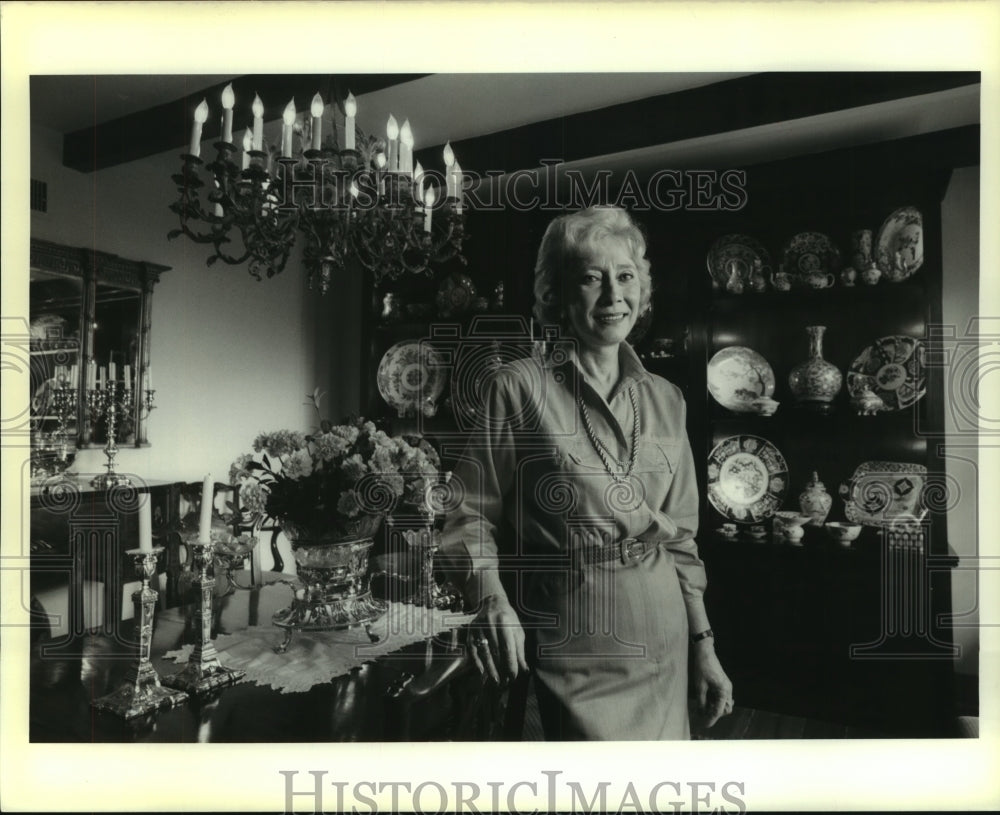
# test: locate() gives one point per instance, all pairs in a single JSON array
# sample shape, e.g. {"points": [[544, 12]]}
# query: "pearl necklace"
{"points": [[623, 474]]}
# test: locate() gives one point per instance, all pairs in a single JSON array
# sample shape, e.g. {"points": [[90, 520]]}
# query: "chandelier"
{"points": [[366, 203]]}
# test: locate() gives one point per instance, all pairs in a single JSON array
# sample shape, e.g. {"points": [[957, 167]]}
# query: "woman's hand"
{"points": [[496, 640], [711, 688]]}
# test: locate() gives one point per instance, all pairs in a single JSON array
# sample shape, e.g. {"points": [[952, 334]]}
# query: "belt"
{"points": [[628, 550]]}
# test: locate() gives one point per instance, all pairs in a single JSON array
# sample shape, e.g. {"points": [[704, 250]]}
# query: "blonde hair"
{"points": [[563, 245]]}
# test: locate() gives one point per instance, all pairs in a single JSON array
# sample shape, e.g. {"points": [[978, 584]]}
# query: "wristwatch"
{"points": [[702, 635]]}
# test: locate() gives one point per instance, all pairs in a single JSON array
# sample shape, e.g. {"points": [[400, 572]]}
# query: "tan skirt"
{"points": [[608, 646]]}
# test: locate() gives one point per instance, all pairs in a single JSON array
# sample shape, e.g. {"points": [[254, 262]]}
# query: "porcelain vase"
{"points": [[815, 382], [815, 501]]}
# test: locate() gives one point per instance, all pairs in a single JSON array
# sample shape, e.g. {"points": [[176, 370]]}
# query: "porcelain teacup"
{"points": [[819, 280]]}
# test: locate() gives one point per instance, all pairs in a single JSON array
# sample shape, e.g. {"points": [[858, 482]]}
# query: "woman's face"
{"points": [[603, 294]]}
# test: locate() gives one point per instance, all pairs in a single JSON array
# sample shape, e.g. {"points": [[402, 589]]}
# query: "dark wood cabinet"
{"points": [[846, 634], [80, 534]]}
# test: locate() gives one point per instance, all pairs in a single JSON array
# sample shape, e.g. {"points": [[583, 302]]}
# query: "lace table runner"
{"points": [[315, 657]]}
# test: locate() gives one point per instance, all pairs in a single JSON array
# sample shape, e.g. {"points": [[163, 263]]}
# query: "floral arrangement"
{"points": [[324, 481]]}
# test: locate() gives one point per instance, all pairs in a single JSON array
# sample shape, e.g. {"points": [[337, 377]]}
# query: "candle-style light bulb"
{"points": [[258, 123], [406, 148], [228, 100], [316, 110], [288, 118], [355, 191], [317, 107], [418, 183], [392, 133], [449, 155], [200, 117], [350, 105]]}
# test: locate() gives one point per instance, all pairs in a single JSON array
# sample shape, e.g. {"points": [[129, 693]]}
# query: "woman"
{"points": [[575, 538]]}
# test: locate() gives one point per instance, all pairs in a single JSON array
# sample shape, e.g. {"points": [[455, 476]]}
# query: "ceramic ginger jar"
{"points": [[815, 501]]}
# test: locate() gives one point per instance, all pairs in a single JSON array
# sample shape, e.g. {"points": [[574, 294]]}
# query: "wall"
{"points": [[960, 303], [231, 356]]}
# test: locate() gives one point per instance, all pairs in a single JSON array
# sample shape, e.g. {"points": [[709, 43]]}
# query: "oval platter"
{"points": [[883, 492], [411, 377], [747, 478], [737, 376]]}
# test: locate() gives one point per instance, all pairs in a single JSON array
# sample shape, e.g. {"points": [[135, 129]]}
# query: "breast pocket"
{"points": [[655, 464]]}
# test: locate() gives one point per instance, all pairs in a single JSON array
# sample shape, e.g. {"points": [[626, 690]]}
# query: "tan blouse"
{"points": [[534, 489]]}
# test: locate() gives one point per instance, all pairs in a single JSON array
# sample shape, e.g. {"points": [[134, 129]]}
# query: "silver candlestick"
{"points": [[141, 693], [203, 672]]}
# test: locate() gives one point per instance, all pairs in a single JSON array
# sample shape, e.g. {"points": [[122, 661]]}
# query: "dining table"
{"points": [[410, 680]]}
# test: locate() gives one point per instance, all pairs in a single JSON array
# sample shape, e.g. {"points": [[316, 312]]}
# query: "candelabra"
{"points": [[203, 672], [351, 206], [113, 404], [141, 693]]}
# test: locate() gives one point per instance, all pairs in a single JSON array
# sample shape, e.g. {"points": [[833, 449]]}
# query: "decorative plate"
{"points": [[808, 253], [411, 377], [747, 478], [736, 253], [737, 376], [455, 295], [893, 367], [899, 250], [881, 492]]}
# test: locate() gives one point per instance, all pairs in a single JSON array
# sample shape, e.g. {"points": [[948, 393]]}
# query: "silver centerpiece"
{"points": [[332, 590]]}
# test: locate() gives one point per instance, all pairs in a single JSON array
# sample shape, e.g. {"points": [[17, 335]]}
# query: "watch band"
{"points": [[702, 635]]}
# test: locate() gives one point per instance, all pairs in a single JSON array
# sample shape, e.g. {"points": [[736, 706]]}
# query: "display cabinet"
{"points": [[809, 624], [853, 632]]}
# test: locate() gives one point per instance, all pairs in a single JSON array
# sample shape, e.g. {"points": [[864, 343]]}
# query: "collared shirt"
{"points": [[535, 487]]}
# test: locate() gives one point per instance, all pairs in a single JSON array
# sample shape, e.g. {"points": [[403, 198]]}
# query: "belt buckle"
{"points": [[627, 553]]}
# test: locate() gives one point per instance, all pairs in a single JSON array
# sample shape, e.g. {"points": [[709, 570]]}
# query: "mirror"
{"points": [[90, 315]]}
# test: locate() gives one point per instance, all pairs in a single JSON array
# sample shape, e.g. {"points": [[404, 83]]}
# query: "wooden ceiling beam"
{"points": [[168, 126], [730, 105]]}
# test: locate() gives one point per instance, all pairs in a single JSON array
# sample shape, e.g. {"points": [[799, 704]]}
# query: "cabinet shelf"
{"points": [[882, 292]]}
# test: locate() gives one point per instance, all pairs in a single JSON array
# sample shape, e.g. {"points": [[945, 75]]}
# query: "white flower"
{"points": [[298, 465]]}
